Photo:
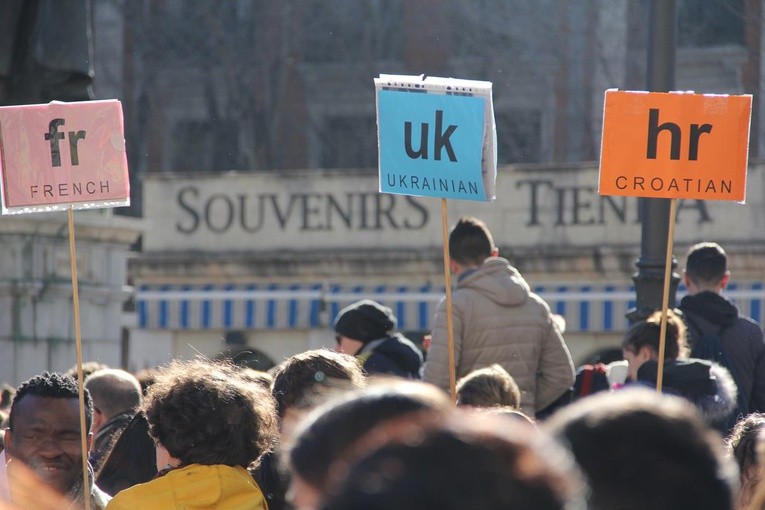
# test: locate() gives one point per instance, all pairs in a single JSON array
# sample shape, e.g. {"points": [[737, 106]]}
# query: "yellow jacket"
{"points": [[194, 487]]}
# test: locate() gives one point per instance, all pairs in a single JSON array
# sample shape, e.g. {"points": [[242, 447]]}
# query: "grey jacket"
{"points": [[497, 319]]}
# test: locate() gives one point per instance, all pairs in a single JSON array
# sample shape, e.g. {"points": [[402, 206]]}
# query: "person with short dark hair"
{"points": [[209, 426], [366, 330], [334, 426], [497, 319], [452, 461], [708, 312], [490, 386], [44, 435], [302, 382], [116, 396], [87, 368], [642, 450], [741, 446], [706, 384], [301, 378], [131, 460]]}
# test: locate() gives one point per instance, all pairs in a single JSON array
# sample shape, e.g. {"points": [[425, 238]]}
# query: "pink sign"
{"points": [[63, 154]]}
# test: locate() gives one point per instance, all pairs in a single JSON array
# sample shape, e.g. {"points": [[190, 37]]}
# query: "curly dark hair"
{"points": [[741, 444], [52, 385], [203, 412], [299, 377]]}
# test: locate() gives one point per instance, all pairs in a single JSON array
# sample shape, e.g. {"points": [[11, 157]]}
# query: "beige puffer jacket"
{"points": [[497, 319]]}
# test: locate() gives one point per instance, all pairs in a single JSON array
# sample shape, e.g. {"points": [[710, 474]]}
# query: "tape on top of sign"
{"points": [[440, 140], [675, 145], [63, 155]]}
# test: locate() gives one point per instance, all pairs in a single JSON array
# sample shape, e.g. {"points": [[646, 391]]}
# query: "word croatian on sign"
{"points": [[436, 137], [675, 145], [46, 167]]}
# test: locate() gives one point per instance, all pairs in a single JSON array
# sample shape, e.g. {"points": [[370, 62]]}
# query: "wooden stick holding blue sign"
{"points": [[64, 156], [674, 145], [437, 138]]}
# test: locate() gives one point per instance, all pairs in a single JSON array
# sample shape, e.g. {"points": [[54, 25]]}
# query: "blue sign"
{"points": [[431, 144]]}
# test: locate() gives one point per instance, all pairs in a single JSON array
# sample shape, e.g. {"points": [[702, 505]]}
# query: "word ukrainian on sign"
{"points": [[436, 137], [62, 155], [675, 145]]}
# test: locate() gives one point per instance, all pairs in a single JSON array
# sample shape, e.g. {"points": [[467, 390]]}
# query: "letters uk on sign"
{"points": [[436, 137]]}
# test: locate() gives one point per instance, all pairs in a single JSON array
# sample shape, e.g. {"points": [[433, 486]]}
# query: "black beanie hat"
{"points": [[365, 320]]}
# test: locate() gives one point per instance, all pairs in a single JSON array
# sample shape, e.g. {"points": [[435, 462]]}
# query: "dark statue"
{"points": [[46, 51]]}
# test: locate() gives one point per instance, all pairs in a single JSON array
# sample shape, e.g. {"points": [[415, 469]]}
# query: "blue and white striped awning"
{"points": [[274, 306], [586, 308]]}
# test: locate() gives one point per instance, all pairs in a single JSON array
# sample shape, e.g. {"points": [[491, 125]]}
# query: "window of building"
{"points": [[332, 30], [205, 146], [710, 23], [349, 142], [519, 136]]}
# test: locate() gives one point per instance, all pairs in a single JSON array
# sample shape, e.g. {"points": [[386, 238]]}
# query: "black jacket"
{"points": [[706, 384], [394, 355], [742, 342]]}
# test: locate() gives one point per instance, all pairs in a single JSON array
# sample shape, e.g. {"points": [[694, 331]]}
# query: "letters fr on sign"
{"points": [[436, 137], [675, 145], [61, 155]]}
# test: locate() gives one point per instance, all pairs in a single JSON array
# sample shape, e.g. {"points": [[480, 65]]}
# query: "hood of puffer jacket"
{"points": [[705, 383], [497, 280], [401, 351], [713, 307]]}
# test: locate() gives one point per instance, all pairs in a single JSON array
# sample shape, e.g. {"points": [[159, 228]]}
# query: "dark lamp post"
{"points": [[654, 212]]}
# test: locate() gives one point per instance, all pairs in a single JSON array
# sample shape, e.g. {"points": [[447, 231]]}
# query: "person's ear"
{"points": [[495, 252], [724, 280], [646, 353], [8, 439]]}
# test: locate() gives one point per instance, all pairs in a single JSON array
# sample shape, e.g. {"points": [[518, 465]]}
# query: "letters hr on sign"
{"points": [[63, 154], [436, 138], [675, 145]]}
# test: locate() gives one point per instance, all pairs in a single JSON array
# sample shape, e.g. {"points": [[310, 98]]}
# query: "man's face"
{"points": [[347, 345], [46, 437]]}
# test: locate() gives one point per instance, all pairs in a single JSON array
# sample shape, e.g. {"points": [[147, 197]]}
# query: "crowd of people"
{"points": [[371, 424]]}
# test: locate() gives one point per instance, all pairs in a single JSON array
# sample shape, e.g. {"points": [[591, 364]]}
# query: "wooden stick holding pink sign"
{"points": [[64, 156]]}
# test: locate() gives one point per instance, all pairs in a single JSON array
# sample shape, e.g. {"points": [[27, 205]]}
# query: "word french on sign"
{"points": [[675, 145], [63, 154], [436, 137]]}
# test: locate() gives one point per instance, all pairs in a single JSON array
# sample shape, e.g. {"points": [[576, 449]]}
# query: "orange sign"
{"points": [[675, 145]]}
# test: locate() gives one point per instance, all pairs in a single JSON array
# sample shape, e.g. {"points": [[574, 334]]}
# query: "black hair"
{"points": [[52, 385], [470, 242], [706, 263], [648, 332]]}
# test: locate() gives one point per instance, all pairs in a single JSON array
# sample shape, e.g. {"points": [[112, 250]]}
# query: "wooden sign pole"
{"points": [[449, 321], [80, 377], [665, 295]]}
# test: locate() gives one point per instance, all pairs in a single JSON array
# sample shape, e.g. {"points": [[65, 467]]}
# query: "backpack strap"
{"points": [[692, 323]]}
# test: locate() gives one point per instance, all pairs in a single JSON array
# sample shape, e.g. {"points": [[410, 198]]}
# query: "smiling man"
{"points": [[44, 435]]}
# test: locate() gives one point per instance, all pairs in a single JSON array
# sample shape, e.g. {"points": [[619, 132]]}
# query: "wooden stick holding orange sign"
{"points": [[674, 145], [665, 294], [40, 172]]}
